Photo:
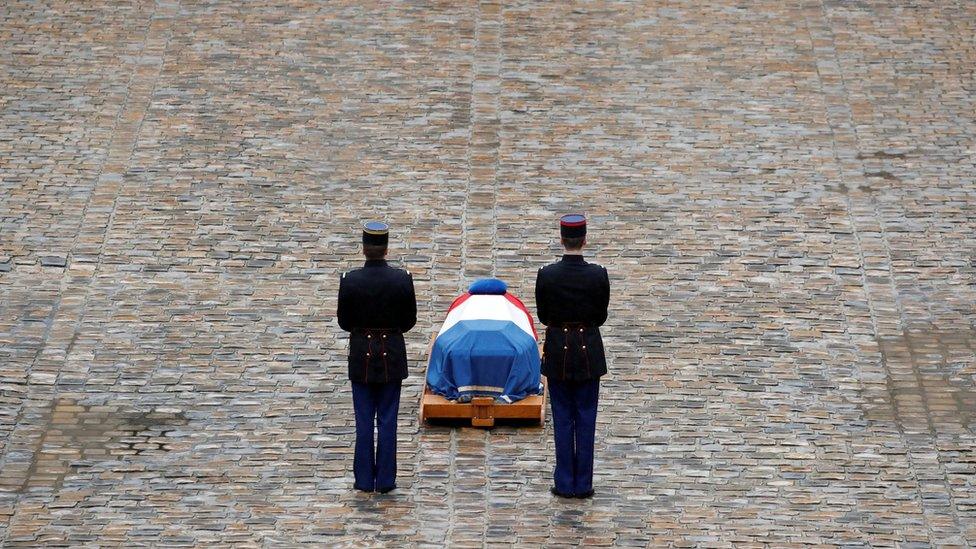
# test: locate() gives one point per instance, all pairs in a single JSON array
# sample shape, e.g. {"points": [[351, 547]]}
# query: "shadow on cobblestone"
{"points": [[80, 438], [931, 382]]}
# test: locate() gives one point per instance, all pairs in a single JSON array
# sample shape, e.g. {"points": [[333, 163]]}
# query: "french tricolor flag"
{"points": [[487, 346]]}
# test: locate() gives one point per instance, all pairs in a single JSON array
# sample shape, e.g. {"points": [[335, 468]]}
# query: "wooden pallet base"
{"points": [[482, 411]]}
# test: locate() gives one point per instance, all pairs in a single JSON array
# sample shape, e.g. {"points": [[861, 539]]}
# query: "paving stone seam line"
{"points": [[66, 283], [165, 33], [930, 424], [926, 443], [48, 325], [33, 448], [494, 42], [837, 160], [887, 370], [452, 468], [35, 462], [966, 53], [828, 30], [902, 318], [872, 314], [126, 145], [467, 182], [497, 125], [928, 439], [483, 154], [451, 485], [486, 493], [144, 103], [892, 295], [465, 238]]}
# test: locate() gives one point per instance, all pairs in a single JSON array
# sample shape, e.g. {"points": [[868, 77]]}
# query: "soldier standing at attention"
{"points": [[572, 297], [376, 305]]}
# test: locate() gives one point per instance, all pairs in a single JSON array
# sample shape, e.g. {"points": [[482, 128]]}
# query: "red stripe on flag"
{"points": [[459, 300], [518, 303]]}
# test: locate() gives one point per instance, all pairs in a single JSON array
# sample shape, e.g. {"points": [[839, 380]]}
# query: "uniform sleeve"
{"points": [[345, 307], [540, 299], [408, 313], [604, 298]]}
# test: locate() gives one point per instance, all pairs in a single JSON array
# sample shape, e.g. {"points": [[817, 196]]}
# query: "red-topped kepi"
{"points": [[572, 225]]}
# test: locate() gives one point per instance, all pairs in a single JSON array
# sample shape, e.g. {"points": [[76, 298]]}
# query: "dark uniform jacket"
{"points": [[572, 297], [377, 305]]}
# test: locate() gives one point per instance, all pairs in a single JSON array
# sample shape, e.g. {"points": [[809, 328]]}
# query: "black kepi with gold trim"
{"points": [[572, 226], [376, 233]]}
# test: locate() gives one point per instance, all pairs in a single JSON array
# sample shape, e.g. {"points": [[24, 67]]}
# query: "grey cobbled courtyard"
{"points": [[783, 192]]}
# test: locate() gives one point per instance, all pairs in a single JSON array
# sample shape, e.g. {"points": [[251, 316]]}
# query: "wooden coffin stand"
{"points": [[482, 411]]}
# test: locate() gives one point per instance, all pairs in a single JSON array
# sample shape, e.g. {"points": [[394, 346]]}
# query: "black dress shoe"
{"points": [[558, 493], [387, 489], [585, 495]]}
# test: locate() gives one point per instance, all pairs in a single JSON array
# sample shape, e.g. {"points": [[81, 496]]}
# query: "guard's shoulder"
{"points": [[396, 273], [595, 269], [550, 267]]}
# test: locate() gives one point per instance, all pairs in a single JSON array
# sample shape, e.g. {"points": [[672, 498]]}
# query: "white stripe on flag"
{"points": [[481, 388], [487, 307]]}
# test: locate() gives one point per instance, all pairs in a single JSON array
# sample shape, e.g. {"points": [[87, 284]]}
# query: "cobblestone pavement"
{"points": [[783, 193]]}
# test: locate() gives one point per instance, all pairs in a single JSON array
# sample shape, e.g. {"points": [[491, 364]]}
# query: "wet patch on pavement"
{"points": [[78, 436], [931, 382]]}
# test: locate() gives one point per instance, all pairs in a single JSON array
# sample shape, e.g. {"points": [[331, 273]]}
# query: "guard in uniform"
{"points": [[572, 297], [376, 305]]}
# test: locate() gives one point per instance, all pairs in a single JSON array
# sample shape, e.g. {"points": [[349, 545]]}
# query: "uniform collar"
{"points": [[573, 258], [375, 263]]}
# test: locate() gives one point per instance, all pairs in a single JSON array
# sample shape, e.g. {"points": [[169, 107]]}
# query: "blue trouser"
{"points": [[376, 406], [574, 406]]}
